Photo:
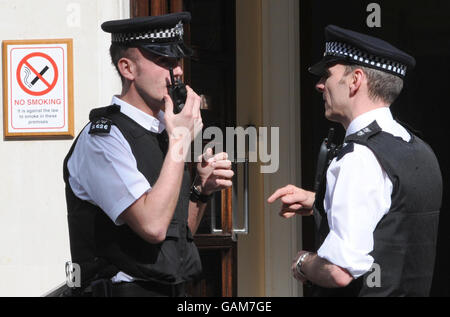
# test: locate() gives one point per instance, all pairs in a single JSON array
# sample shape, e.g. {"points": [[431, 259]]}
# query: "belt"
{"points": [[105, 288]]}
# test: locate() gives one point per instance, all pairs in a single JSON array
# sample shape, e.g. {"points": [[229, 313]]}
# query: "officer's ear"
{"points": [[127, 67], [356, 78]]}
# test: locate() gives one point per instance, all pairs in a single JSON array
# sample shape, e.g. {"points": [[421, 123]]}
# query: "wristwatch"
{"points": [[196, 195], [299, 264]]}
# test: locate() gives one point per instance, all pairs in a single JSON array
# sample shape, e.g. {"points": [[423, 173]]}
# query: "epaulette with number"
{"points": [[364, 134], [100, 126], [360, 137], [99, 123]]}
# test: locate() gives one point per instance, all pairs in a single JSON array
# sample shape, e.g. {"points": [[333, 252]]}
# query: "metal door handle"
{"points": [[214, 230], [244, 230], [235, 230]]}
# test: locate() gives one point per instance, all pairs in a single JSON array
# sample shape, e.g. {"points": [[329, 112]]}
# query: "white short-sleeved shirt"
{"points": [[103, 169], [358, 195]]}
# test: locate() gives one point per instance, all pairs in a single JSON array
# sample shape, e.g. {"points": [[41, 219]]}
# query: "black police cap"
{"points": [[350, 47], [160, 35]]}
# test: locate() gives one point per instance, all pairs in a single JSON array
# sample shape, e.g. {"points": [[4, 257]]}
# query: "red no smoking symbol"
{"points": [[38, 73]]}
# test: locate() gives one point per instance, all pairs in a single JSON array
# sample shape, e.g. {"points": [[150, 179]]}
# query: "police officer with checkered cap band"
{"points": [[349, 47], [376, 209], [132, 207], [161, 35]]}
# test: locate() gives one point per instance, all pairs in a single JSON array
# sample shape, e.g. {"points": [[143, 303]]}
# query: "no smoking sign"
{"points": [[32, 81], [39, 87]]}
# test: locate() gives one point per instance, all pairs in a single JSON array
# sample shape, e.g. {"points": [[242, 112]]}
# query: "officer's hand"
{"points": [[187, 124], [214, 172], [295, 201]]}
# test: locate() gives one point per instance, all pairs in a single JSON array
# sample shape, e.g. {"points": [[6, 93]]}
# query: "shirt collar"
{"points": [[381, 115], [145, 120]]}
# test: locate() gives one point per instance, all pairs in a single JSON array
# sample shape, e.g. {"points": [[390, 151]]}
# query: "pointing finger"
{"points": [[290, 199], [279, 193]]}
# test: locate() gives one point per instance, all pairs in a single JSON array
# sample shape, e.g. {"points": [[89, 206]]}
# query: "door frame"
{"points": [[281, 82]]}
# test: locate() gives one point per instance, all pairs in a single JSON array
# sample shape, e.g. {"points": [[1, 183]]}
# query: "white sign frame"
{"points": [[38, 89]]}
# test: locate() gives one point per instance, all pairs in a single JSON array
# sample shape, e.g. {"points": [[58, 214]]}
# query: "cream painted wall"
{"points": [[281, 108], [267, 42], [251, 268], [34, 243]]}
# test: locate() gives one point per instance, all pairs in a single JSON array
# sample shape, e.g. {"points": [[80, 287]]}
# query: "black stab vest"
{"points": [[405, 238], [102, 249]]}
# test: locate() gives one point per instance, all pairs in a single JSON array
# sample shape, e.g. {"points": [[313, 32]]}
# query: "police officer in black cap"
{"points": [[377, 207], [132, 207]]}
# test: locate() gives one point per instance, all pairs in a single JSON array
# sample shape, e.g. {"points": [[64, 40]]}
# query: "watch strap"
{"points": [[196, 195], [299, 264]]}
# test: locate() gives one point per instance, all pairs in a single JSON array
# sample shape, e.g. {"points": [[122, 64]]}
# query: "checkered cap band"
{"points": [[345, 50], [159, 35]]}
